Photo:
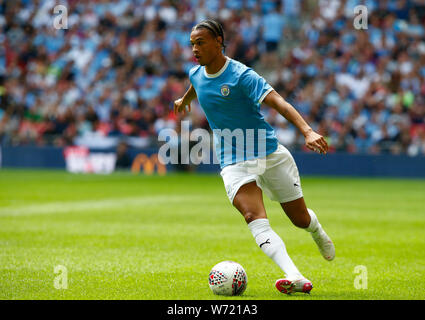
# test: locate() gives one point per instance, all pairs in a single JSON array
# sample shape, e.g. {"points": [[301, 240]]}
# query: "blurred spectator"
{"points": [[123, 158]]}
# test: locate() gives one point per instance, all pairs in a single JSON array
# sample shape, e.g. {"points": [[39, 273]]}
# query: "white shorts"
{"points": [[277, 175]]}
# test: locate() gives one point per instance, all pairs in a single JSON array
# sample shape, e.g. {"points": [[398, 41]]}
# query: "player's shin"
{"points": [[324, 243], [314, 222], [273, 246]]}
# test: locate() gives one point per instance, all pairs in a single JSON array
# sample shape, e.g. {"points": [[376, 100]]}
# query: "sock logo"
{"points": [[267, 241]]}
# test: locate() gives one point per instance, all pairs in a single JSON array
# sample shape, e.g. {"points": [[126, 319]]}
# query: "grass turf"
{"points": [[125, 236]]}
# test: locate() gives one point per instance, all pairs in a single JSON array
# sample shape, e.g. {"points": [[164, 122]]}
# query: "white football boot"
{"points": [[324, 243]]}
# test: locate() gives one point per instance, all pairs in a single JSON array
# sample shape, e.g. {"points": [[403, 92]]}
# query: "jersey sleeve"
{"points": [[191, 72], [254, 86]]}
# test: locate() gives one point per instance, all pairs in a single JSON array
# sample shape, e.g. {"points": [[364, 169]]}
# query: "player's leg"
{"points": [[281, 182], [306, 219], [297, 212], [249, 201]]}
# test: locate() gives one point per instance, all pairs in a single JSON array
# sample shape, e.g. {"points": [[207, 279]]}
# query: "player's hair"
{"points": [[213, 27]]}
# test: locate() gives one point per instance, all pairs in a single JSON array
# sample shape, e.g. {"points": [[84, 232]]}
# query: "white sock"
{"points": [[314, 223], [273, 246]]}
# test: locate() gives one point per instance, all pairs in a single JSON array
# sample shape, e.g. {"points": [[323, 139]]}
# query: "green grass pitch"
{"points": [[125, 236]]}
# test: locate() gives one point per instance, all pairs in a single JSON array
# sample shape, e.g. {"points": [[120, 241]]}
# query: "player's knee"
{"points": [[251, 216]]}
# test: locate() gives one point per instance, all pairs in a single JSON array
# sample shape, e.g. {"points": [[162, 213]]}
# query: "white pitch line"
{"points": [[101, 204]]}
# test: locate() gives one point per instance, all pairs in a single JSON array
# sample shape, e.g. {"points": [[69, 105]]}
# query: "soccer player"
{"points": [[230, 94]]}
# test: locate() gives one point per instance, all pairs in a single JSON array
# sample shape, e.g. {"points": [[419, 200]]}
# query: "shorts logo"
{"points": [[225, 90], [229, 190]]}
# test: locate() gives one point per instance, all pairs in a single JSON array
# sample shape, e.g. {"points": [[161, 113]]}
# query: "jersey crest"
{"points": [[225, 90]]}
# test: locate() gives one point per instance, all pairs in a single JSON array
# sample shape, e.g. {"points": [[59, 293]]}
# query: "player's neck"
{"points": [[216, 65]]}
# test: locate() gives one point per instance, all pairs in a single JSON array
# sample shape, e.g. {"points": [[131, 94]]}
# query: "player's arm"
{"points": [[313, 140], [180, 104]]}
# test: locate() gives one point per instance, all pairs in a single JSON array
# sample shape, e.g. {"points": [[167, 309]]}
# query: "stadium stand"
{"points": [[117, 68]]}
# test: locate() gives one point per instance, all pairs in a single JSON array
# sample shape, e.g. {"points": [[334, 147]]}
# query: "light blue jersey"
{"points": [[231, 100]]}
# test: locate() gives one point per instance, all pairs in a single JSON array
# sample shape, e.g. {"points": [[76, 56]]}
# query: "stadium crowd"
{"points": [[117, 67]]}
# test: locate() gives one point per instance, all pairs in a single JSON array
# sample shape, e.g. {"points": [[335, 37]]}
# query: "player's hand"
{"points": [[316, 142], [180, 106]]}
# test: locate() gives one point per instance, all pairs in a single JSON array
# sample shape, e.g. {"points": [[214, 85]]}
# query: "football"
{"points": [[228, 278]]}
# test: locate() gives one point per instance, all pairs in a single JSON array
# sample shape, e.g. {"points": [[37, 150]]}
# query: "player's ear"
{"points": [[219, 40]]}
